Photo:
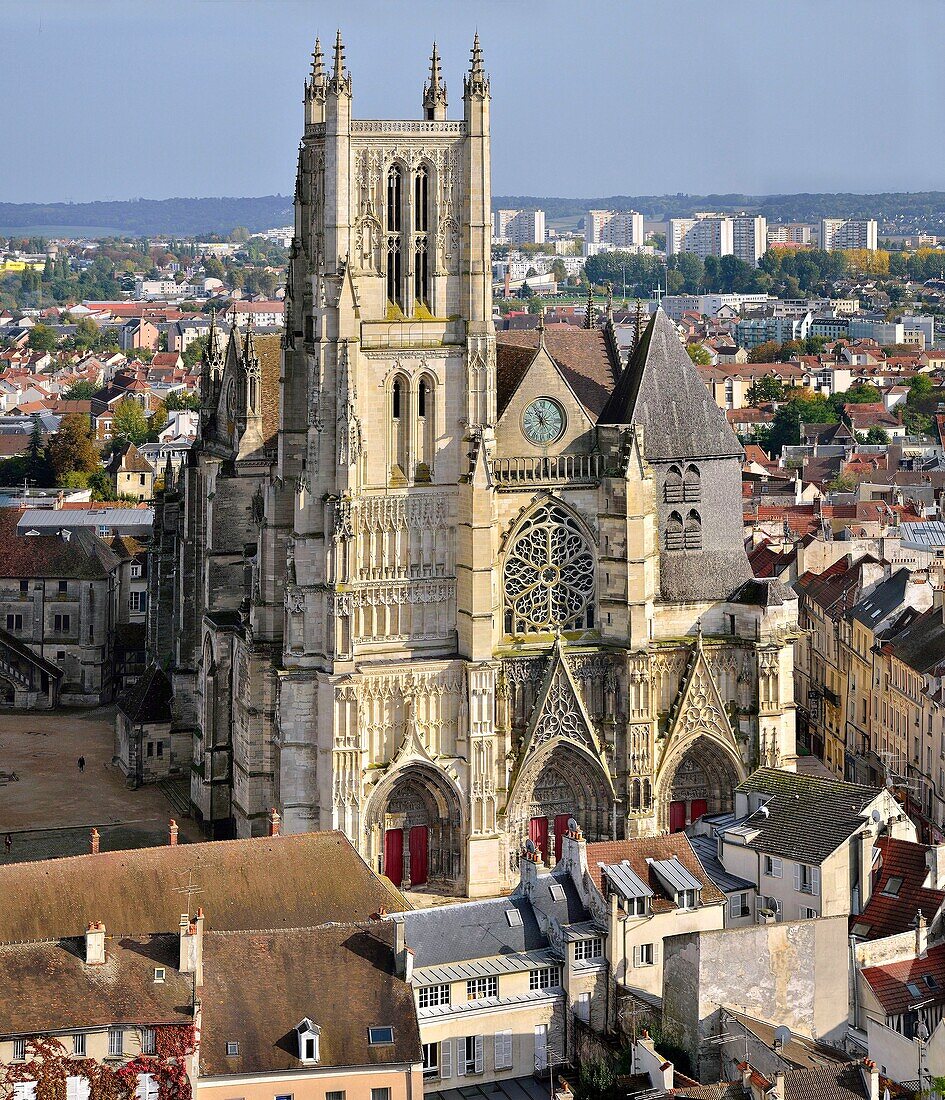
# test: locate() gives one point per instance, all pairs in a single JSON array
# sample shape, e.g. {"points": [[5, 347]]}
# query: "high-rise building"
{"points": [[616, 229], [749, 237], [444, 591], [836, 233], [703, 234], [519, 227], [789, 233]]}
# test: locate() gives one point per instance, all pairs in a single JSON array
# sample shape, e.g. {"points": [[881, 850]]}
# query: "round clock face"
{"points": [[543, 421]]}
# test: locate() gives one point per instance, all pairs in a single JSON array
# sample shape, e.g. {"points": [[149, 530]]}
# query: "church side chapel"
{"points": [[473, 586]]}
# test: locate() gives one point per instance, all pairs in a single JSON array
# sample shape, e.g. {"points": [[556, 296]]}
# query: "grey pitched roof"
{"points": [[921, 645], [808, 817], [149, 698], [884, 599], [661, 389], [471, 930], [707, 849]]}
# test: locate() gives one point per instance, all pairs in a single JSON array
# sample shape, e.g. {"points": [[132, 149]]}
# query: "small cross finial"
{"points": [[658, 295]]}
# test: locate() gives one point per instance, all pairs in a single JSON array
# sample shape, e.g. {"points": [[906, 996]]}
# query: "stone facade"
{"points": [[476, 590]]}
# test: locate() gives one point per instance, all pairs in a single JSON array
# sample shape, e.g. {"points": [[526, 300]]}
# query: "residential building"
{"points": [[257, 314], [806, 841], [764, 326], [405, 650], [131, 474], [616, 229], [836, 233], [519, 227], [58, 613], [703, 234], [789, 233], [749, 237]]}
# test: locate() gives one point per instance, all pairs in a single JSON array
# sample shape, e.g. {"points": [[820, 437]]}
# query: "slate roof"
{"points": [[149, 698], [809, 816], [921, 645], [584, 357], [882, 600], [707, 851], [661, 389], [837, 589], [638, 850], [283, 882], [887, 914], [48, 987], [83, 556], [890, 982], [258, 985]]}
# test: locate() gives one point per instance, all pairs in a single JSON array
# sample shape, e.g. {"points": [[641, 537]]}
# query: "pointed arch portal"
{"points": [[700, 781], [417, 825]]}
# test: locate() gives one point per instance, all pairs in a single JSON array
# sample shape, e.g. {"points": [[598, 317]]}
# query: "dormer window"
{"points": [[309, 1035]]}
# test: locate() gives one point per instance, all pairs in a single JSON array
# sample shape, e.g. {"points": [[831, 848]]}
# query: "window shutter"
{"points": [[734, 906], [460, 1057], [656, 953], [636, 956], [507, 1060], [147, 1086], [479, 1059], [77, 1088], [541, 1047], [815, 880], [446, 1059], [778, 868], [797, 877]]}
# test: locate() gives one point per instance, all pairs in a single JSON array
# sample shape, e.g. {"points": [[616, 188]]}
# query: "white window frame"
{"points": [[582, 1008], [78, 1044], [646, 954], [19, 1050], [431, 1067], [744, 905], [78, 1087], [541, 1048], [810, 872], [589, 949], [116, 1042], [807, 913], [478, 989], [147, 1086], [446, 1059], [773, 867], [147, 1040], [547, 977], [430, 996]]}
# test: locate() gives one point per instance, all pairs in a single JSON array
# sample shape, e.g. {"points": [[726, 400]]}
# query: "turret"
{"points": [[316, 89], [434, 91], [337, 158], [478, 304]]}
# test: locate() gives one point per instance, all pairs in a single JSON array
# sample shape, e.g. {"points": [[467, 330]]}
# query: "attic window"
{"points": [[861, 929], [557, 891], [914, 989], [309, 1035], [380, 1036], [930, 981], [232, 1048], [893, 886], [159, 973], [514, 917]]}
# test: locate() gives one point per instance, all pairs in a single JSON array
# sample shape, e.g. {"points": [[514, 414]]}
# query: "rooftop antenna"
{"points": [[190, 889]]}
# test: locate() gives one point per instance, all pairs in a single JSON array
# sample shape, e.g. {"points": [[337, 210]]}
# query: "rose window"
{"points": [[549, 575]]}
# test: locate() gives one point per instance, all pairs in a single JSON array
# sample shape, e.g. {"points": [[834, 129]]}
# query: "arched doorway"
{"points": [[7, 693], [560, 781], [416, 822], [700, 780]]}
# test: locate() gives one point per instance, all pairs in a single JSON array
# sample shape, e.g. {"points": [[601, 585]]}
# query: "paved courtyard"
{"points": [[50, 808]]}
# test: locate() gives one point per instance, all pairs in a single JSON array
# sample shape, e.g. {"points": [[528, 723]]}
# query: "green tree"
{"points": [[37, 466], [80, 391], [699, 354], [129, 422], [182, 399], [876, 435], [558, 271], [72, 447], [767, 352], [43, 338], [87, 334], [100, 484], [765, 390]]}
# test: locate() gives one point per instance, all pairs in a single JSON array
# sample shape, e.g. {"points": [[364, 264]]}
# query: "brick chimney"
{"points": [[870, 1075], [921, 936], [94, 839], [172, 832], [191, 946], [95, 944], [275, 822]]}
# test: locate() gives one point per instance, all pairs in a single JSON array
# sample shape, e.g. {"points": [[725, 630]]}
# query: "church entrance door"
{"points": [[394, 855], [677, 816], [698, 807], [538, 835], [419, 857], [561, 827]]}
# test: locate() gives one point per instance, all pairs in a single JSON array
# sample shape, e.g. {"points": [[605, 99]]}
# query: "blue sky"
{"points": [[156, 98]]}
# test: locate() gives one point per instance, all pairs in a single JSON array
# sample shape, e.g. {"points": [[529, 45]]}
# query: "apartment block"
{"points": [[618, 229], [519, 227], [703, 235], [838, 233]]}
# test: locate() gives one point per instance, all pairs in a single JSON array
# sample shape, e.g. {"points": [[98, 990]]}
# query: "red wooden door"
{"points": [[677, 816], [419, 867], [561, 827], [538, 834], [394, 855], [698, 808]]}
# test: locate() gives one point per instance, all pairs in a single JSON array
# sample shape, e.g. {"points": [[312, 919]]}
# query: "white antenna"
{"points": [[190, 889]]}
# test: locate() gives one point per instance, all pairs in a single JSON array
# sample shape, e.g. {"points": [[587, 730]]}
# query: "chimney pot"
{"points": [[172, 833], [94, 839]]}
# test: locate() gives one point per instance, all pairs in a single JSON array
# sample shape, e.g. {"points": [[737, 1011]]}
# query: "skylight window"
{"points": [[514, 917], [557, 891], [378, 1036], [893, 886], [914, 989]]}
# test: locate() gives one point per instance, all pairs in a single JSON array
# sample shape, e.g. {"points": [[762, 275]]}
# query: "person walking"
{"points": [[81, 763], [8, 843]]}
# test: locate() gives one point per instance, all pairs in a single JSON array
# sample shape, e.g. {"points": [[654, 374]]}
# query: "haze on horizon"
{"points": [[116, 99]]}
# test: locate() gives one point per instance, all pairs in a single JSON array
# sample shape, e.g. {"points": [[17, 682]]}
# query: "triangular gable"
{"points": [[560, 710], [699, 708]]}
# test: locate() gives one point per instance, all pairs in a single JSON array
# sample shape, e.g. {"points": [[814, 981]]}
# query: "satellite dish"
{"points": [[876, 815], [572, 825], [530, 846], [782, 1035]]}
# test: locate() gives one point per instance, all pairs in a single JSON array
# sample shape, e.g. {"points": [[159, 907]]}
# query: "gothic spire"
{"points": [[315, 89], [340, 80], [589, 308], [477, 82], [434, 91]]}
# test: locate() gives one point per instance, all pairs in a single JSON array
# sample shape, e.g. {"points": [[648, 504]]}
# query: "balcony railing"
{"points": [[566, 469]]}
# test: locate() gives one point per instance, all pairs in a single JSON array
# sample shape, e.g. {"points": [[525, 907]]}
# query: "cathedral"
{"points": [[443, 589]]}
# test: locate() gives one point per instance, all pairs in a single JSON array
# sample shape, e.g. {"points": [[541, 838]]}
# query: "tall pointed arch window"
{"points": [[399, 428], [395, 224], [421, 243], [426, 428], [673, 485], [692, 532], [692, 484], [673, 539]]}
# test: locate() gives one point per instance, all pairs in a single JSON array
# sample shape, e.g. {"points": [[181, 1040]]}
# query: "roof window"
{"points": [[379, 1036], [514, 917], [893, 886]]}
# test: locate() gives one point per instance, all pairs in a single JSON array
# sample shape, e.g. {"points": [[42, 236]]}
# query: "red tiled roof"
{"points": [[891, 913], [638, 850], [890, 982]]}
